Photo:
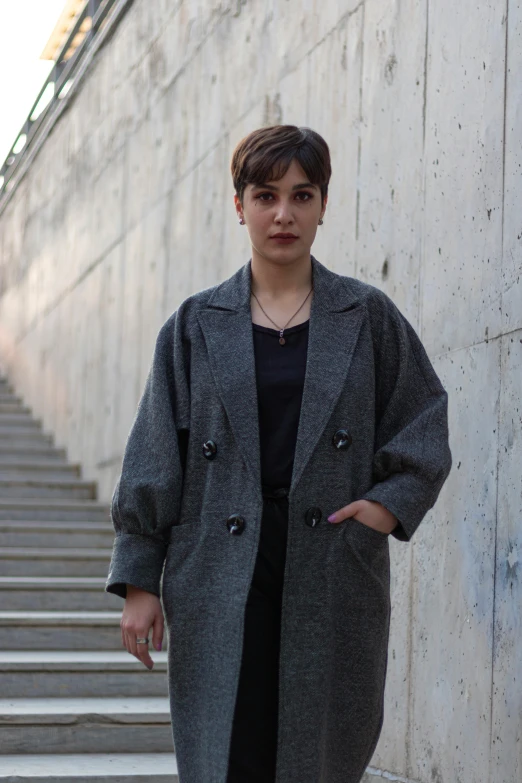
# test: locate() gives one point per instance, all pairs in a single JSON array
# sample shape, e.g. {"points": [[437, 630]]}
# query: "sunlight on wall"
{"points": [[25, 28]]}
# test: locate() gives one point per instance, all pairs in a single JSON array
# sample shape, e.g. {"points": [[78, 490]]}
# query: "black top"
{"points": [[280, 372]]}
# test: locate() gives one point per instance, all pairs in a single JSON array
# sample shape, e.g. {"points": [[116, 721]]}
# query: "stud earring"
{"points": [[241, 222], [320, 221]]}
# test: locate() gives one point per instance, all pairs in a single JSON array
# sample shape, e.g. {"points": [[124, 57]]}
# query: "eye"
{"points": [[301, 195]]}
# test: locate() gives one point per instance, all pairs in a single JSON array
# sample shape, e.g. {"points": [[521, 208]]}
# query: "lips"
{"points": [[284, 236]]}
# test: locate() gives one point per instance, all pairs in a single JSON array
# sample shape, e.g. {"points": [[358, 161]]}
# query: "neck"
{"points": [[274, 280]]}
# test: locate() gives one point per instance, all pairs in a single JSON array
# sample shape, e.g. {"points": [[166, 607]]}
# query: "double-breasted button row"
{"points": [[342, 440], [236, 523]]}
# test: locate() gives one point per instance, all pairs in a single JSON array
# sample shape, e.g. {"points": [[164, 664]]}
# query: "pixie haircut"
{"points": [[266, 154]]}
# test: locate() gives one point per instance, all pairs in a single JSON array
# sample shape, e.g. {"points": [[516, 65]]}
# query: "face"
{"points": [[290, 205]]}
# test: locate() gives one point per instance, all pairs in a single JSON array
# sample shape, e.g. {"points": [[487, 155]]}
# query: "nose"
{"points": [[284, 212]]}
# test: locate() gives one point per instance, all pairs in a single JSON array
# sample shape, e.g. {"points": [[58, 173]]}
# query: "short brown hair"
{"points": [[265, 154]]}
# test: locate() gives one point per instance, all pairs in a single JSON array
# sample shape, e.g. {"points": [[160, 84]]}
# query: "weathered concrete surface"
{"points": [[111, 725], [128, 209]]}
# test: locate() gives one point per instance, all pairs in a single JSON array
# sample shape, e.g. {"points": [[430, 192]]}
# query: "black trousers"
{"points": [[254, 733]]}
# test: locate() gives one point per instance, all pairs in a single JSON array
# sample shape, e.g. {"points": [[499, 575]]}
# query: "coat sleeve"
{"points": [[147, 495], [412, 457]]}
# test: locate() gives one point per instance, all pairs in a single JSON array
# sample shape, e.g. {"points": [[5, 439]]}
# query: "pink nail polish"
{"points": [[331, 518], [158, 647]]}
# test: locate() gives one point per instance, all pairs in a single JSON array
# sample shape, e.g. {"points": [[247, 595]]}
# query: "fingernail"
{"points": [[158, 647], [331, 518]]}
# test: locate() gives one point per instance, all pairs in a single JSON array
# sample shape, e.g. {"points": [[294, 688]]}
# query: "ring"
{"points": [[139, 640]]}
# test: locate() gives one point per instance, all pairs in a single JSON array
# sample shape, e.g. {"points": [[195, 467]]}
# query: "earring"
{"points": [[241, 222], [320, 221]]}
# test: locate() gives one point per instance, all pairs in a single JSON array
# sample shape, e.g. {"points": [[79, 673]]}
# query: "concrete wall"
{"points": [[128, 208]]}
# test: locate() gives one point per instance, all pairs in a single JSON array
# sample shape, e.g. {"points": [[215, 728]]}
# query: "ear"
{"points": [[239, 208], [323, 210]]}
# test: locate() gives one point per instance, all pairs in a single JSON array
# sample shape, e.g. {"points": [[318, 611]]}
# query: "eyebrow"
{"points": [[295, 187]]}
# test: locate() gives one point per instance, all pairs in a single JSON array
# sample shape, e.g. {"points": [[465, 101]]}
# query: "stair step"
{"points": [[109, 725], [38, 464], [57, 594], [43, 452], [53, 509], [8, 406], [73, 488], [90, 768], [75, 674], [15, 437], [9, 395], [15, 421], [66, 682], [44, 533], [47, 473], [60, 631], [10, 399], [55, 561]]}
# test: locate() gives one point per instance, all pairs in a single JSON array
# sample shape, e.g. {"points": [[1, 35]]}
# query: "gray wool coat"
{"points": [[367, 372]]}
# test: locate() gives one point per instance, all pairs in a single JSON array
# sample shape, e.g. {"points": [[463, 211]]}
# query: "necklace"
{"points": [[282, 340]]}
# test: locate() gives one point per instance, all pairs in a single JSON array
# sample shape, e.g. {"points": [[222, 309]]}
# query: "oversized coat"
{"points": [[193, 512]]}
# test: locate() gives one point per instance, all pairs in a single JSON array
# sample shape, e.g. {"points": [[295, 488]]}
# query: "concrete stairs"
{"points": [[74, 705]]}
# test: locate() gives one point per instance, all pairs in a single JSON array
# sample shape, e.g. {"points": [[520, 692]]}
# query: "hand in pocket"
{"points": [[368, 512]]}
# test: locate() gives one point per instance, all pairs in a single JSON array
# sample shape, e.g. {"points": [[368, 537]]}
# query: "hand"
{"points": [[141, 612], [370, 513]]}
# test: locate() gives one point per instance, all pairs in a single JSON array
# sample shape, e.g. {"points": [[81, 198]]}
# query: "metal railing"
{"points": [[59, 81]]}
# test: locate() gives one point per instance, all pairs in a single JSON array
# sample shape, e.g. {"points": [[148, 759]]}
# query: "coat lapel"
{"points": [[335, 320]]}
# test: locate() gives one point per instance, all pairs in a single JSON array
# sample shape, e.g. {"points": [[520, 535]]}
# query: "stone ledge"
{"points": [[38, 553], [18, 619], [90, 768], [56, 711], [77, 661], [53, 583]]}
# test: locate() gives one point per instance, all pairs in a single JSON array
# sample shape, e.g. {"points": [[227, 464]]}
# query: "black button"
{"points": [[342, 439], [313, 516], [235, 524], [209, 449]]}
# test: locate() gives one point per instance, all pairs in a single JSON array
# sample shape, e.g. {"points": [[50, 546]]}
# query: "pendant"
{"points": [[282, 341]]}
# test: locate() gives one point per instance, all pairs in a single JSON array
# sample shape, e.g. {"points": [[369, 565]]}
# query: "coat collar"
{"points": [[331, 291], [335, 319]]}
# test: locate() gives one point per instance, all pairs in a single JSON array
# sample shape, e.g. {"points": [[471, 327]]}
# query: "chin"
{"points": [[284, 254]]}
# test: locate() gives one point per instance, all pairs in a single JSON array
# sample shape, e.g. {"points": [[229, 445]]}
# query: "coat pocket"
{"points": [[370, 548], [365, 530]]}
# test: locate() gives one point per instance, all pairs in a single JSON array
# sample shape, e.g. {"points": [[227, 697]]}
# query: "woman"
{"points": [[291, 421]]}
